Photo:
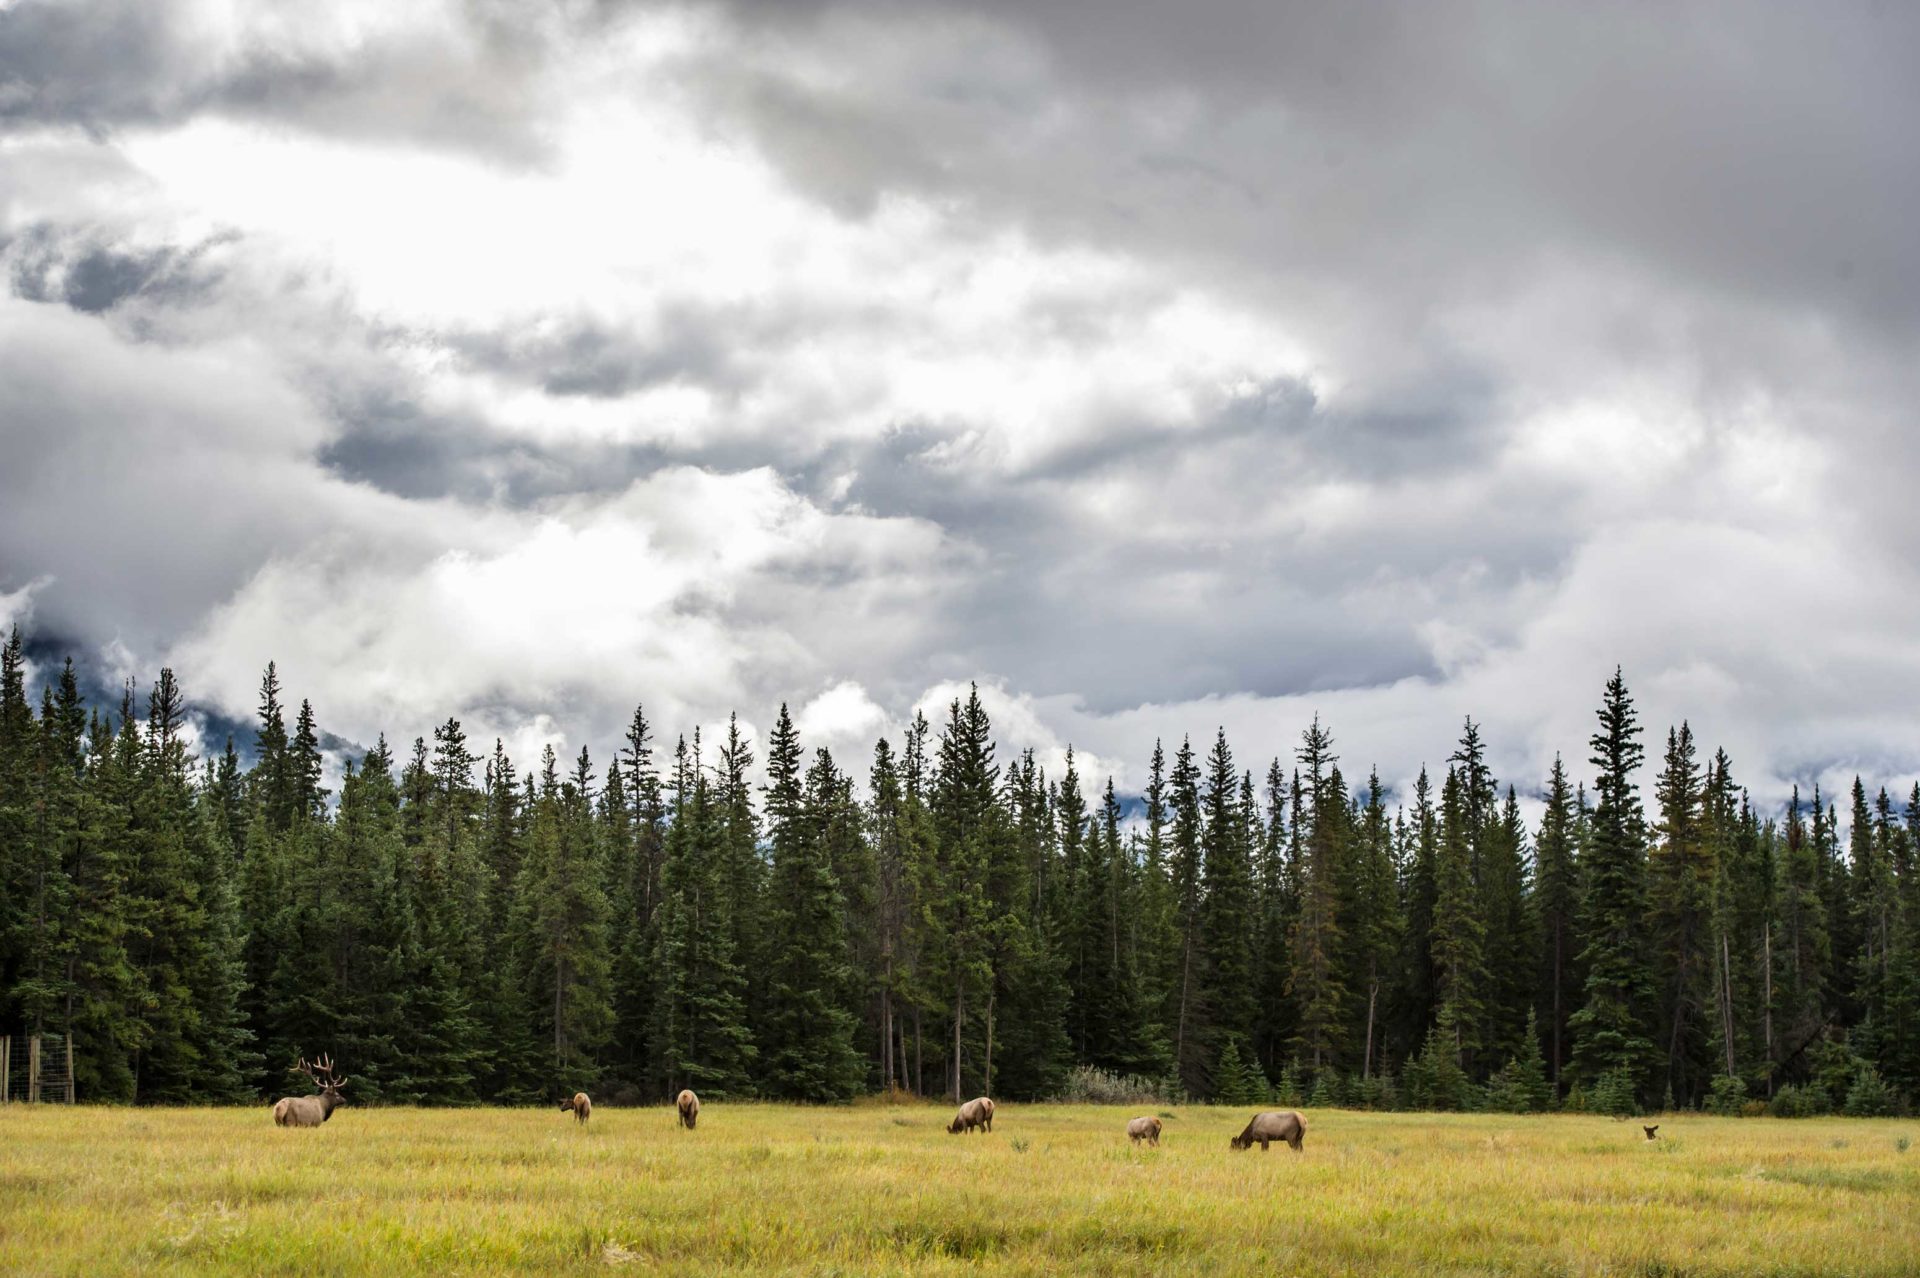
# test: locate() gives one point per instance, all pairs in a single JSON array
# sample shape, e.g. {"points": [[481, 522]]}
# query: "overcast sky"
{"points": [[1161, 367]]}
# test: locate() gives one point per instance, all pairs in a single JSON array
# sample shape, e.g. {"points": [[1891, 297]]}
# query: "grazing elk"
{"points": [[311, 1111], [977, 1112], [1147, 1129], [1650, 1131], [1271, 1125], [579, 1105], [689, 1106]]}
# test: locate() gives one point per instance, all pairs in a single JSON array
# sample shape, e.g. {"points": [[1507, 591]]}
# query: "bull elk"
{"points": [[580, 1105], [311, 1111]]}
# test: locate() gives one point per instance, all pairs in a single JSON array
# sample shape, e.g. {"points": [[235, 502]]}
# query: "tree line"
{"points": [[454, 930]]}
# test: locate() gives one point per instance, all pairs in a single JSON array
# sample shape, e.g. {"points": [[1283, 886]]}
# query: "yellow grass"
{"points": [[878, 1189]]}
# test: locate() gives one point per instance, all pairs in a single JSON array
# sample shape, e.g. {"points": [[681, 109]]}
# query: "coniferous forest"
{"points": [[456, 927]]}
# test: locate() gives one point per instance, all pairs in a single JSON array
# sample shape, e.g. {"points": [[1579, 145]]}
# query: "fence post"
{"points": [[69, 1067], [33, 1070]]}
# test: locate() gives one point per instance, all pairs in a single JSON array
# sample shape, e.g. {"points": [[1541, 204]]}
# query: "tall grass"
{"points": [[878, 1189]]}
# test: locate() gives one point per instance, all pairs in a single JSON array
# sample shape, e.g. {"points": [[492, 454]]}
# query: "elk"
{"points": [[1147, 1129], [1272, 1125], [579, 1105], [311, 1111], [977, 1112], [1650, 1131], [689, 1106]]}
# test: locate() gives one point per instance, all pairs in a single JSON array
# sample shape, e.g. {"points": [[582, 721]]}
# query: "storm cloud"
{"points": [[1160, 369]]}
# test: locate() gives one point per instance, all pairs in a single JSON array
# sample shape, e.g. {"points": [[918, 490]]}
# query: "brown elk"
{"points": [[977, 1112], [1147, 1129], [311, 1111], [1272, 1125], [579, 1105], [689, 1106]]}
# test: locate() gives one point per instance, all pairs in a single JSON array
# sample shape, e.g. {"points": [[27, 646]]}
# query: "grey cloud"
{"points": [[1765, 152], [93, 274], [109, 64]]}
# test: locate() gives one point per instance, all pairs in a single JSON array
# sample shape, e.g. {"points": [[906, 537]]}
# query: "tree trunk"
{"points": [[1726, 999], [1373, 995], [959, 1002], [1558, 945], [988, 1089], [1766, 939], [919, 1057]]}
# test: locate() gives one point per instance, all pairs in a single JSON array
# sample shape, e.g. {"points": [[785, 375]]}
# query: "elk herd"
{"points": [[976, 1115]]}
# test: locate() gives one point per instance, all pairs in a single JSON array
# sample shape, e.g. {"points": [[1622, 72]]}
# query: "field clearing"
{"points": [[873, 1188]]}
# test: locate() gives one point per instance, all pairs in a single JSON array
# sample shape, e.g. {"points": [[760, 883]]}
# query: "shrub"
{"points": [[1376, 1092], [1728, 1096], [1798, 1102], [1237, 1081], [1435, 1079], [1289, 1092], [1870, 1097], [1613, 1094], [1327, 1091], [1087, 1085]]}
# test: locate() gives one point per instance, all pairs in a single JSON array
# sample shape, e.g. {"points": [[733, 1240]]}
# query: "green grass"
{"points": [[876, 1189]]}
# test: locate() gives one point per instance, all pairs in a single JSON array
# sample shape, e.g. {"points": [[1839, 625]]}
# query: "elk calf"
{"points": [[1147, 1129], [311, 1111], [689, 1106], [977, 1112], [579, 1105], [1271, 1125]]}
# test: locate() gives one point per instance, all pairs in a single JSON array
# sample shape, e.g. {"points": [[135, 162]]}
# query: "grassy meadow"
{"points": [[884, 1189]]}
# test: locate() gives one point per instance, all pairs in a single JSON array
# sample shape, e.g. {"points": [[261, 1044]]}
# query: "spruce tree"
{"points": [[1227, 911], [1681, 873], [1556, 902], [1610, 1030], [1459, 930], [1318, 985]]}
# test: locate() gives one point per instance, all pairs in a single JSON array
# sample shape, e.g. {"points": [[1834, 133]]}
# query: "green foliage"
{"points": [[1434, 1079], [1236, 1080], [453, 938], [1798, 1102], [1870, 1097], [1613, 1093], [1728, 1096], [1520, 1086]]}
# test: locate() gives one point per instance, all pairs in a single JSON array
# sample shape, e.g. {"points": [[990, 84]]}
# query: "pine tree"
{"points": [[1375, 934], [702, 1036], [1277, 888], [1459, 929], [1800, 947], [1184, 869], [1227, 917], [1610, 1030], [1556, 901], [808, 1038], [1318, 985], [1681, 872]]}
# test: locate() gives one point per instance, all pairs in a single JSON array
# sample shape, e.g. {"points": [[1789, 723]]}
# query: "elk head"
{"points": [[321, 1072]]}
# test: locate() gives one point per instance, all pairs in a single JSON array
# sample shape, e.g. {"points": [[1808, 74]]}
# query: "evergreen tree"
{"points": [[808, 1041], [1227, 909], [1318, 986], [702, 1036], [1556, 901], [1610, 1030], [1459, 930], [1681, 874]]}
